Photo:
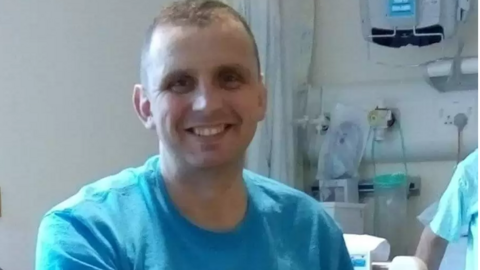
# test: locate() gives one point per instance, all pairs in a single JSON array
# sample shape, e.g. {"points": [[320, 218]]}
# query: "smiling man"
{"points": [[194, 206]]}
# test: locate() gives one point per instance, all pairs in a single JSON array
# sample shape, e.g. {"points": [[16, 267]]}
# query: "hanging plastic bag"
{"points": [[344, 144], [390, 191]]}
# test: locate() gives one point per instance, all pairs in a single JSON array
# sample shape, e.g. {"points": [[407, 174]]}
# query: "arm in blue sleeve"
{"points": [[64, 242], [451, 212]]}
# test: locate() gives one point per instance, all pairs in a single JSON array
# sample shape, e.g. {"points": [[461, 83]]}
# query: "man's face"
{"points": [[204, 95]]}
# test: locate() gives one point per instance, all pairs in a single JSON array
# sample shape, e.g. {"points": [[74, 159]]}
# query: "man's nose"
{"points": [[207, 98]]}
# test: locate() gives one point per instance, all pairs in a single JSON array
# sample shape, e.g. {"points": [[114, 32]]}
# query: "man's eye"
{"points": [[182, 85], [231, 81]]}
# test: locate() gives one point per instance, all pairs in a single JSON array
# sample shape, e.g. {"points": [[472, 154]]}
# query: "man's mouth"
{"points": [[209, 131]]}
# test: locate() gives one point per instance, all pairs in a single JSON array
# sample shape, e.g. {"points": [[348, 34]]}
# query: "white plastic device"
{"points": [[407, 262], [349, 216], [416, 22], [338, 190]]}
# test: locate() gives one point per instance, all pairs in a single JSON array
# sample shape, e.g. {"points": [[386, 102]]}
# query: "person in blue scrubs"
{"points": [[194, 206], [457, 209]]}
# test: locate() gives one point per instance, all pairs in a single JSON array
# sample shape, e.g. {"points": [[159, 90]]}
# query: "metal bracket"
{"points": [[414, 186]]}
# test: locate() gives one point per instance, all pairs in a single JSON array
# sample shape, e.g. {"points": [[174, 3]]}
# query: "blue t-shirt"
{"points": [[458, 208], [128, 222]]}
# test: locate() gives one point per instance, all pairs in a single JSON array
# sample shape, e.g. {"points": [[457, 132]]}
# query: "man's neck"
{"points": [[214, 199]]}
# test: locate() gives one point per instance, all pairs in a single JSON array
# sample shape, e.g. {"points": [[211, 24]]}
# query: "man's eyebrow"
{"points": [[176, 73], [234, 66], [172, 74], [179, 71]]}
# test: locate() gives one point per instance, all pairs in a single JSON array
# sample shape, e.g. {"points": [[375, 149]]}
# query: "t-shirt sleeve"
{"points": [[451, 214], [65, 242]]}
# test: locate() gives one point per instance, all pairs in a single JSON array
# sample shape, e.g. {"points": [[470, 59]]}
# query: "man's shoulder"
{"points": [[291, 211], [281, 197], [107, 190], [275, 189]]}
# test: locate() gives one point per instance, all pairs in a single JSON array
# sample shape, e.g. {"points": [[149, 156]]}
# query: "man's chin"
{"points": [[208, 164], [212, 162]]}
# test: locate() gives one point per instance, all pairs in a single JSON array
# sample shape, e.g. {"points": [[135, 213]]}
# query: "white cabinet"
{"points": [[349, 216]]}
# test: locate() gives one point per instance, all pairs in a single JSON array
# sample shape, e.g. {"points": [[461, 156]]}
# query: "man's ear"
{"points": [[262, 101], [142, 106]]}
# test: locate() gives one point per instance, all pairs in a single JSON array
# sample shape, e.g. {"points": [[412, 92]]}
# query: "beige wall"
{"points": [[67, 70]]}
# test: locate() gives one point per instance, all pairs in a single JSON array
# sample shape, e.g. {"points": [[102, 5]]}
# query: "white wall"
{"points": [[341, 67], [67, 71], [341, 52], [421, 112]]}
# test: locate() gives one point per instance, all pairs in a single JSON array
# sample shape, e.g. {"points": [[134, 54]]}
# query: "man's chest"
{"points": [[259, 251]]}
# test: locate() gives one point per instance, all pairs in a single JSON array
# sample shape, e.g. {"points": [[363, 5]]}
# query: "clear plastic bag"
{"points": [[390, 193], [344, 144]]}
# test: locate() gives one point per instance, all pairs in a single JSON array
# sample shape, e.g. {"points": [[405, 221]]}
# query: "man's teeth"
{"points": [[208, 131]]}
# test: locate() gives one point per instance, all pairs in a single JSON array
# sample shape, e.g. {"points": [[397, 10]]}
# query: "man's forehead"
{"points": [[168, 35], [171, 41], [165, 36]]}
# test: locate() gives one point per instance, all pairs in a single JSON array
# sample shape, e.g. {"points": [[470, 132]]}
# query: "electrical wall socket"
{"points": [[448, 111]]}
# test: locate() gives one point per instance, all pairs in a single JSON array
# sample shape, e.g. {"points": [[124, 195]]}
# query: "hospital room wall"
{"points": [[340, 61], [66, 117]]}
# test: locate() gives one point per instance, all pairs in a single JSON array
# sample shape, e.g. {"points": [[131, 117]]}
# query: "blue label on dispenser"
{"points": [[359, 261], [401, 8]]}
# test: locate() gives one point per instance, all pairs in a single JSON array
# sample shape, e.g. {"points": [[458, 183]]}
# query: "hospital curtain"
{"points": [[284, 31]]}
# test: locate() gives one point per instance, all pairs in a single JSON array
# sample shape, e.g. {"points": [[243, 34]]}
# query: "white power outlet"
{"points": [[448, 112]]}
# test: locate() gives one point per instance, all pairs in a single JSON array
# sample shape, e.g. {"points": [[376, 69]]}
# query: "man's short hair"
{"points": [[199, 13]]}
